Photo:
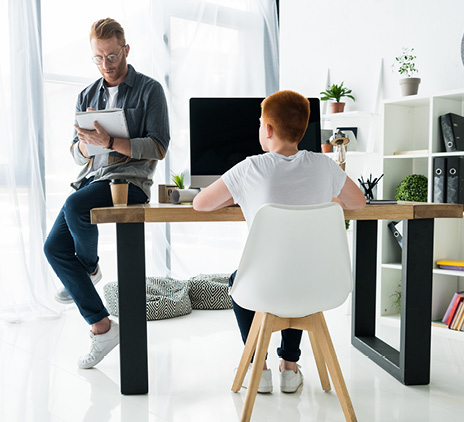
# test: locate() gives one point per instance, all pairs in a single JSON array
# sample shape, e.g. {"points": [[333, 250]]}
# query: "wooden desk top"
{"points": [[168, 213]]}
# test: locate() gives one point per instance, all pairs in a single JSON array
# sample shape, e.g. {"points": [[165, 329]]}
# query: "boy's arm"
{"points": [[350, 197], [215, 196]]}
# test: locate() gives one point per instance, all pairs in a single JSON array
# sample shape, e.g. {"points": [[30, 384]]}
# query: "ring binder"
{"points": [[452, 129]]}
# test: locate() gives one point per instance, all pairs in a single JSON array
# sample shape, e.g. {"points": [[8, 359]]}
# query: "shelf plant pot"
{"points": [[337, 107], [326, 148], [409, 86]]}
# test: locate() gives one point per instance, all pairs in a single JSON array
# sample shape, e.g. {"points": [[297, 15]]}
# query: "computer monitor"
{"points": [[224, 131]]}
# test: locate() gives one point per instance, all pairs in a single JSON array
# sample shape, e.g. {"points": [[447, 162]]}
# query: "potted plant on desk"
{"points": [[178, 179], [336, 92]]}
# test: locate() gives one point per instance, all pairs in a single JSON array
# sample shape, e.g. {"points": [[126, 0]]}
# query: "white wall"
{"points": [[352, 37]]}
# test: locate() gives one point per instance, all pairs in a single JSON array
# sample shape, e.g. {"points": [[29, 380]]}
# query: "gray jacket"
{"points": [[144, 104]]}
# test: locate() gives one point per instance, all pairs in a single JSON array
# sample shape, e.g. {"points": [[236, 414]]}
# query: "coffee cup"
{"points": [[119, 192]]}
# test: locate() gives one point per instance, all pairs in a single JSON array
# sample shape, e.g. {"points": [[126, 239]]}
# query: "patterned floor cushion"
{"points": [[166, 298], [210, 291]]}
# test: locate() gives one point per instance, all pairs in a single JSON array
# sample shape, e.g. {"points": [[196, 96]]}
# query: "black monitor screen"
{"points": [[224, 131]]}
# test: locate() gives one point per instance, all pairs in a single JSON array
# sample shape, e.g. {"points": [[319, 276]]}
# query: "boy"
{"points": [[284, 175]]}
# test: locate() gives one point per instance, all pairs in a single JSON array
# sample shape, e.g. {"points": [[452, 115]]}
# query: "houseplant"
{"points": [[336, 92], [178, 179], [407, 67], [412, 188]]}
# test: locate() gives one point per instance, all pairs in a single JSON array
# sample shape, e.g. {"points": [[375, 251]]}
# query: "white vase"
{"points": [[409, 86]]}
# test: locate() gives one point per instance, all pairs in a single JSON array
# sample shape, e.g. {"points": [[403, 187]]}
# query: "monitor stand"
{"points": [[202, 181]]}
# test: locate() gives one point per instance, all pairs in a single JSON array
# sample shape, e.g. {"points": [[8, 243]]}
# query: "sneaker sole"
{"points": [[290, 389], [84, 366], [262, 390], [64, 301], [102, 356]]}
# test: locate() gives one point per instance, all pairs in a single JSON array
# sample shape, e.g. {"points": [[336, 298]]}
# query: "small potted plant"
{"points": [[178, 179], [412, 188], [406, 67], [336, 92], [326, 146]]}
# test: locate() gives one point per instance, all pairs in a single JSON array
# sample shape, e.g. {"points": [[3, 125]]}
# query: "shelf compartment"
{"points": [[406, 126], [453, 103], [397, 169]]}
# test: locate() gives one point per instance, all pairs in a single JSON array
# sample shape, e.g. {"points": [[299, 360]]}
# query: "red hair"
{"points": [[104, 29], [288, 114]]}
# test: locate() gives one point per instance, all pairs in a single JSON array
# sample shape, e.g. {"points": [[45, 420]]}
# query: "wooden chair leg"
{"points": [[264, 338], [320, 362], [248, 351], [322, 336]]}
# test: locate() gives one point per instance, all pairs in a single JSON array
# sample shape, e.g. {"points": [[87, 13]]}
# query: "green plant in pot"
{"points": [[178, 179], [406, 67], [337, 92], [412, 188]]}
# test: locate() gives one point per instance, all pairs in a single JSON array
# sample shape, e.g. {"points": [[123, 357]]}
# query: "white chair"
{"points": [[295, 265]]}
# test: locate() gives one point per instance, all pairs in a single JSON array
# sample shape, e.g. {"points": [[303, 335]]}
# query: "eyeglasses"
{"points": [[112, 58]]}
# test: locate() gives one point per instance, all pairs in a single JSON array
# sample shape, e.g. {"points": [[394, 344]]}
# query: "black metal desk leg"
{"points": [[416, 301], [132, 308], [364, 269]]}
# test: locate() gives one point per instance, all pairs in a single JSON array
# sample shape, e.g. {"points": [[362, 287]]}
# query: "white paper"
{"points": [[113, 121]]}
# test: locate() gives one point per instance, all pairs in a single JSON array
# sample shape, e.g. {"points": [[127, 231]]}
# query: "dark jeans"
{"points": [[289, 349], [71, 246]]}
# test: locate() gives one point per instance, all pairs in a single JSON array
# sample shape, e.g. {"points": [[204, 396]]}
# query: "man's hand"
{"points": [[99, 136]]}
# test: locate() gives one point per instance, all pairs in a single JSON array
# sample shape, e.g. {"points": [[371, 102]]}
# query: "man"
{"points": [[288, 176], [71, 246]]}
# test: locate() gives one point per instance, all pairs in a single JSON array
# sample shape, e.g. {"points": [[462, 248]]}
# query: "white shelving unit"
{"points": [[366, 158], [412, 124]]}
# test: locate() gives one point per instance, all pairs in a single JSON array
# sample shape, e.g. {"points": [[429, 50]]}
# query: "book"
{"points": [[412, 152], [457, 315], [450, 306], [460, 318], [451, 264], [113, 121], [439, 180], [450, 267], [455, 180], [452, 130], [381, 201], [455, 302], [457, 264]]}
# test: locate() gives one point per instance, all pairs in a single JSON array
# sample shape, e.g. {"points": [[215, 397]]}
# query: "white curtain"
{"points": [[217, 48], [192, 47], [26, 289]]}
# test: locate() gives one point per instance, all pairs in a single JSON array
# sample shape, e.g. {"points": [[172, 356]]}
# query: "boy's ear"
{"points": [[269, 130]]}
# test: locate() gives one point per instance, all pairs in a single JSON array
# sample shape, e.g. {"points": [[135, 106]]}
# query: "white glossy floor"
{"points": [[191, 360]]}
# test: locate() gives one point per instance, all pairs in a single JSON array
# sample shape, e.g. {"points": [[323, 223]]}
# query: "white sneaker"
{"points": [[289, 381], [265, 383], [101, 345], [63, 296]]}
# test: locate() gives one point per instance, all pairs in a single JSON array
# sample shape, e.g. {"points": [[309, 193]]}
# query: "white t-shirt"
{"points": [[101, 160], [306, 178]]}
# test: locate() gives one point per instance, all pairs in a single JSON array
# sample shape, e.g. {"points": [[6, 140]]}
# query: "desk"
{"points": [[410, 365]]}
